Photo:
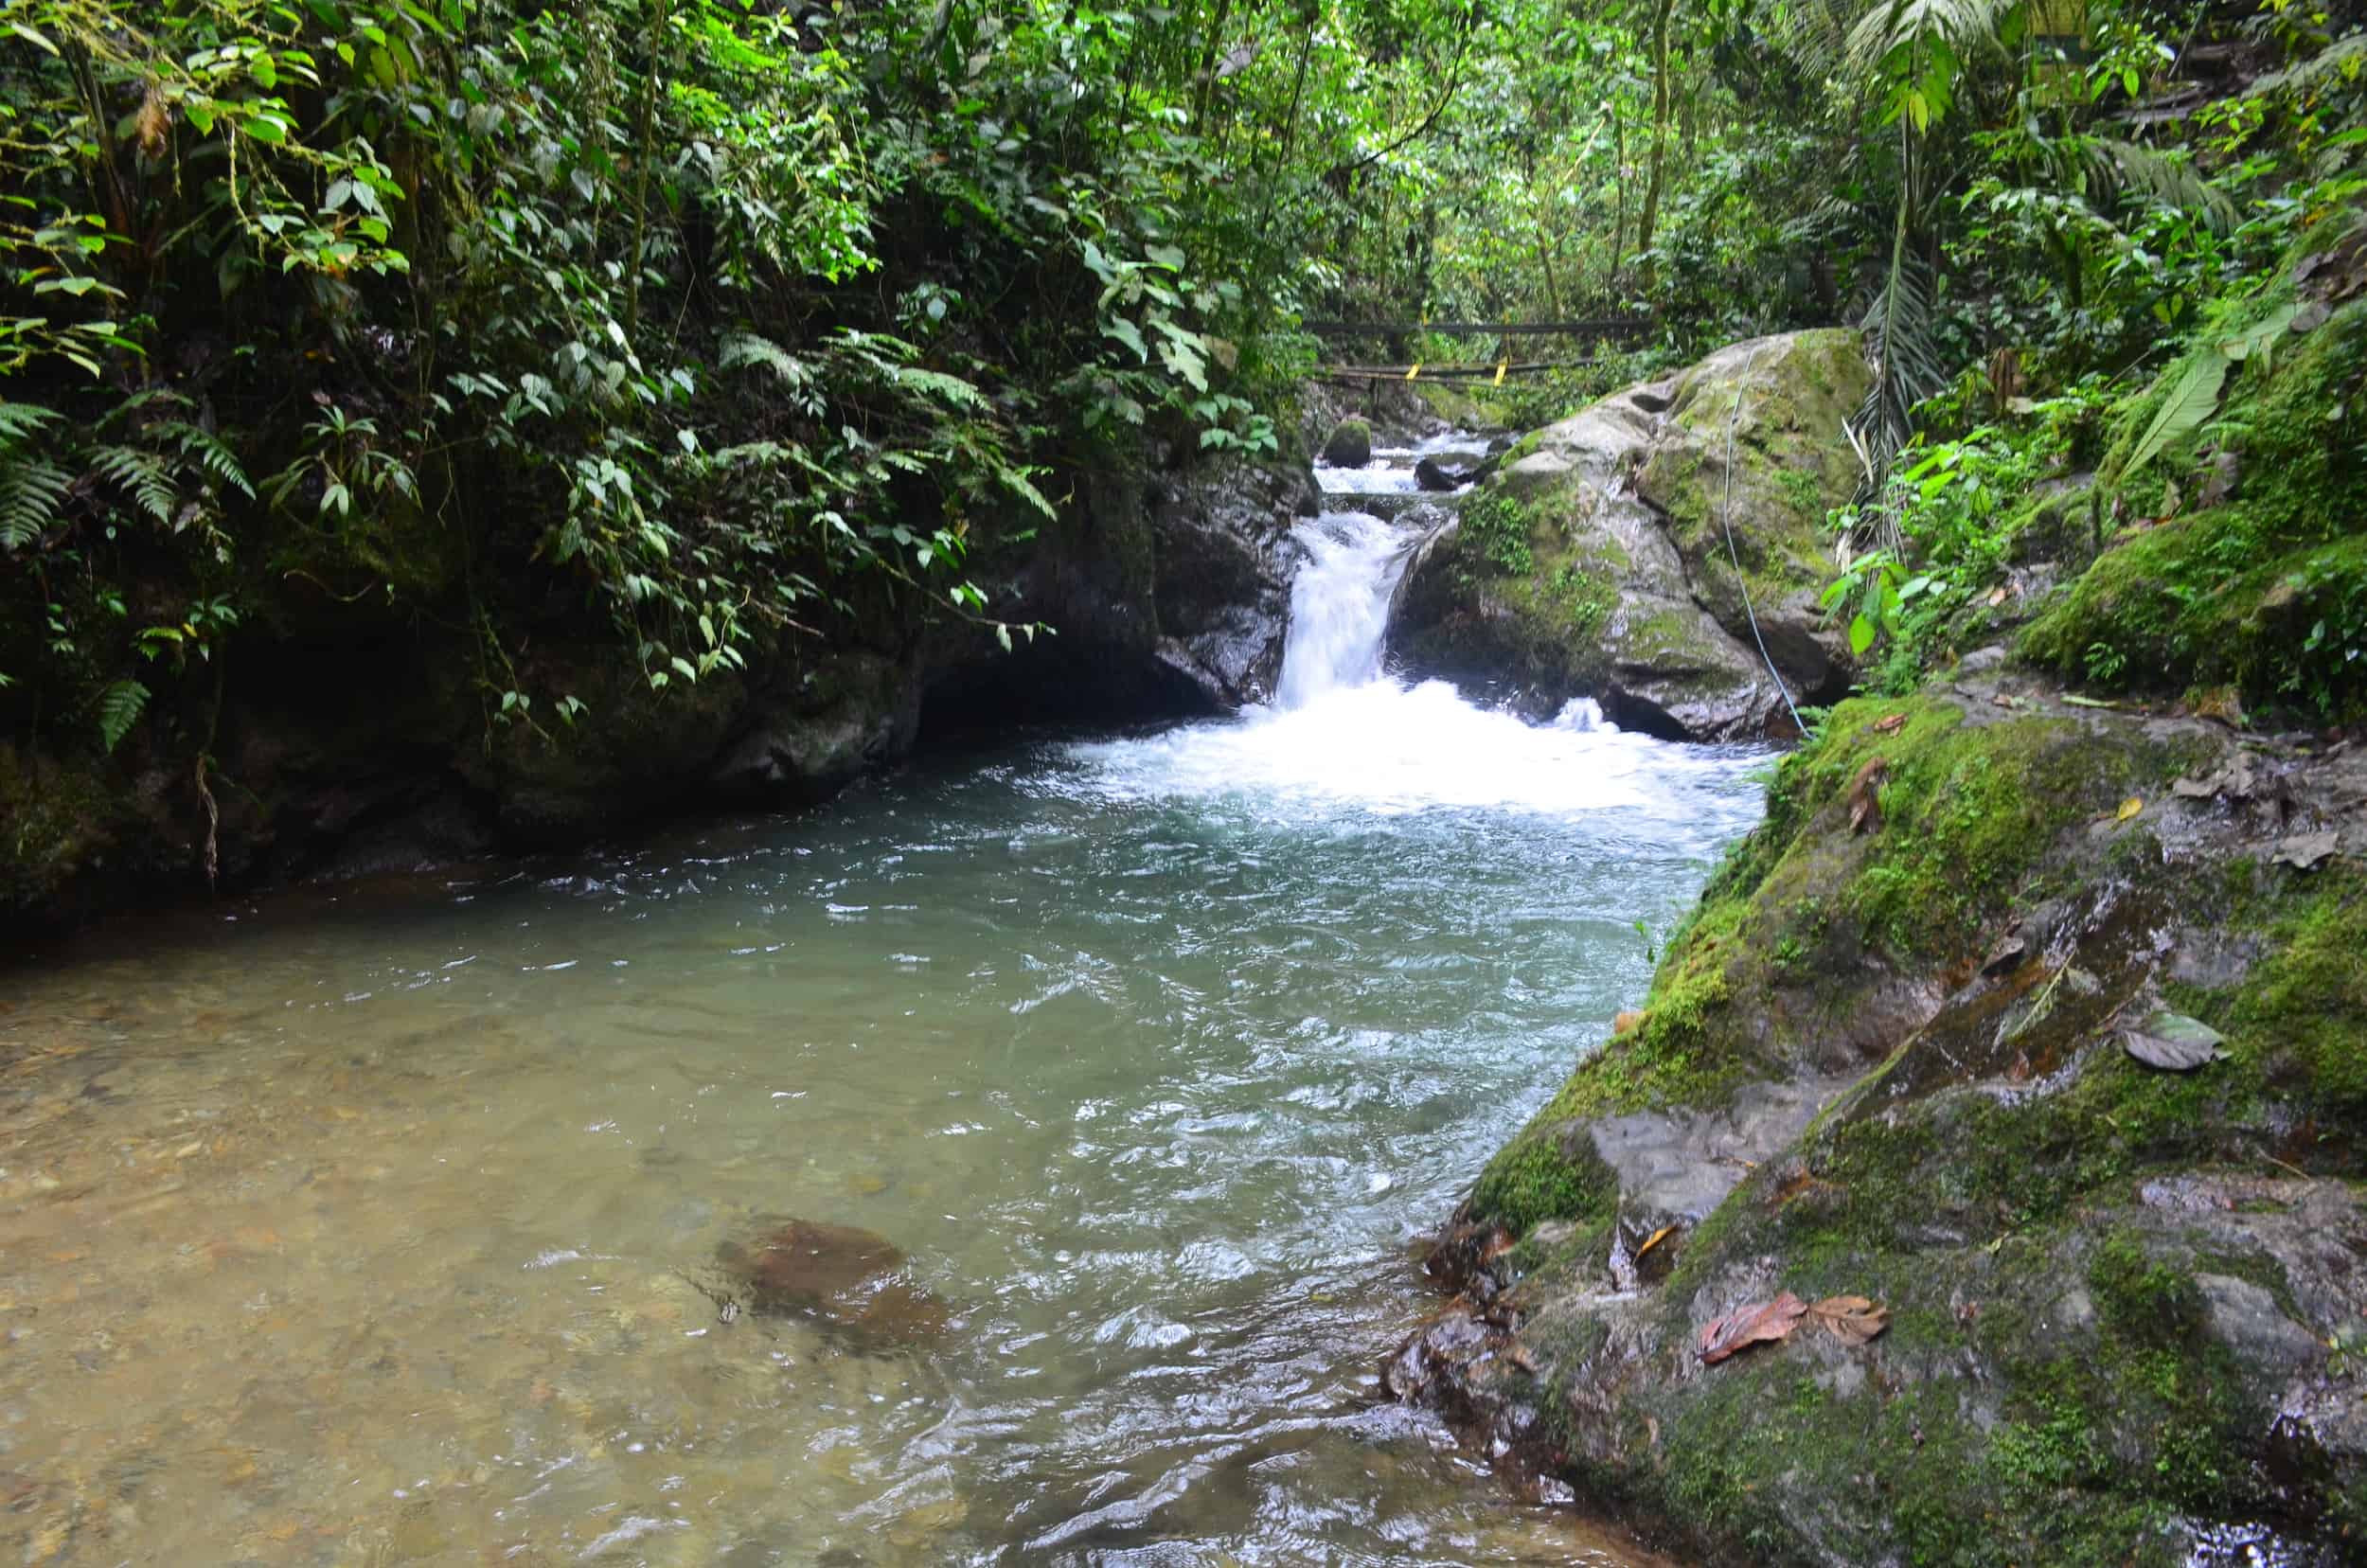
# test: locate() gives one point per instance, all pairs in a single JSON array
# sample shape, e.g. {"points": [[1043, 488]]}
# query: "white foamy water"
{"points": [[1344, 734], [1391, 471]]}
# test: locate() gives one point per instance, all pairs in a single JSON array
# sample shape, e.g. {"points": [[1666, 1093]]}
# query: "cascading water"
{"points": [[1344, 735], [1339, 605]]}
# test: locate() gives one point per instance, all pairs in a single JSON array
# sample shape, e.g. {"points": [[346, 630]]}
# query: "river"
{"points": [[379, 1223]]}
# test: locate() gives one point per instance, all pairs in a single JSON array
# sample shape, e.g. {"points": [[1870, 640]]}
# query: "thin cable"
{"points": [[1726, 520]]}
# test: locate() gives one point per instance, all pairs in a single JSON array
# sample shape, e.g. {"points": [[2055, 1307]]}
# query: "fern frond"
{"points": [[214, 457], [739, 349], [19, 421], [950, 389], [119, 708], [31, 491], [139, 473]]}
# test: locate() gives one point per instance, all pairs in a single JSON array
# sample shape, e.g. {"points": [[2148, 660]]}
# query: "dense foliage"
{"points": [[720, 322]]}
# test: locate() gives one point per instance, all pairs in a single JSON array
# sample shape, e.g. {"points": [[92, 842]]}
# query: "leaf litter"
{"points": [[1852, 1319]]}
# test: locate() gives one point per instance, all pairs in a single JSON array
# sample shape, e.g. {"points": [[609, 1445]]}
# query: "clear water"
{"points": [[367, 1225]]}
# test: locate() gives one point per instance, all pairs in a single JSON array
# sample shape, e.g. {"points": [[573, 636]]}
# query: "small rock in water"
{"points": [[836, 1275]]}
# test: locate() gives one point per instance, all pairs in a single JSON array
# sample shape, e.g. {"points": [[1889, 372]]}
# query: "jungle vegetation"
{"points": [[698, 323]]}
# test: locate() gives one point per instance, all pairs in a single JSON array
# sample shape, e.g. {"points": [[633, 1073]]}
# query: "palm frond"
{"points": [[2117, 166], [1959, 26], [1907, 365]]}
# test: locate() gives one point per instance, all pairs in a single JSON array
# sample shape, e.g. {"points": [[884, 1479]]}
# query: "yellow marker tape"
{"points": [[1502, 367], [1415, 371]]}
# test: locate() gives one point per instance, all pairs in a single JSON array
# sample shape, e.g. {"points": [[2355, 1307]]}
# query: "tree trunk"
{"points": [[1663, 93]]}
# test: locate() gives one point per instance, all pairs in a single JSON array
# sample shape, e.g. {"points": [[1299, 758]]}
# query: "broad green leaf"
{"points": [[2191, 400]]}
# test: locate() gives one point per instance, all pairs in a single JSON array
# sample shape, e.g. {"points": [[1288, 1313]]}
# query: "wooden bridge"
{"points": [[1619, 329]]}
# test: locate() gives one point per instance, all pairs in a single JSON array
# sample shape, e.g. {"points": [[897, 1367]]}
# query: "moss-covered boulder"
{"points": [[1349, 445], [1596, 563], [1891, 1058]]}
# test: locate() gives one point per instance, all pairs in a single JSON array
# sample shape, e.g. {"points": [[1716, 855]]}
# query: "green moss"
{"points": [[1498, 527], [56, 818], [1535, 1178], [2265, 590]]}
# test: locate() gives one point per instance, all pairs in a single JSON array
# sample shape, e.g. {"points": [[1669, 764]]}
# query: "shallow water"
{"points": [[379, 1225]]}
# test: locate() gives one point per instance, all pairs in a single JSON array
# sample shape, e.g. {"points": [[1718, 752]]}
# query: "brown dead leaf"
{"points": [[1890, 725], [1655, 1240], [1769, 1322], [1853, 1319], [1627, 1023], [1997, 597], [1866, 797], [1522, 1356]]}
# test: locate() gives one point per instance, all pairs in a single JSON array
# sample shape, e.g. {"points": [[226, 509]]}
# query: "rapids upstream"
{"points": [[381, 1225]]}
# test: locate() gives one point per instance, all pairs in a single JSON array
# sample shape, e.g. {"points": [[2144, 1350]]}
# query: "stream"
{"points": [[379, 1223]]}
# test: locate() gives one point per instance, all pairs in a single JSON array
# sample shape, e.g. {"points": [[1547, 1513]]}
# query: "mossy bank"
{"points": [[1888, 1058]]}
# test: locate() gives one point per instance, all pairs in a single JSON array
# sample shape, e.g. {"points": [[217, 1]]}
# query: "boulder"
{"points": [[1451, 471], [1349, 445], [2120, 1307], [1594, 561]]}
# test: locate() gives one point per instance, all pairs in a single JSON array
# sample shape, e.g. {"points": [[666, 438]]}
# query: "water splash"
{"points": [[1344, 736]]}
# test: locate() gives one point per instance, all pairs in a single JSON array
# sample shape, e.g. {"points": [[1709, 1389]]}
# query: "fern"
{"points": [[740, 349], [2118, 166], [119, 708], [214, 457], [19, 421], [951, 389], [32, 491], [141, 475]]}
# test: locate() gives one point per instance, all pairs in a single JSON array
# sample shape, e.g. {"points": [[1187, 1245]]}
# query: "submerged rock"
{"points": [[839, 1275]]}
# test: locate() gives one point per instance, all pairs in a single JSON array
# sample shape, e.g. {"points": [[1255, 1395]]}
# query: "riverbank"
{"points": [[1979, 1179]]}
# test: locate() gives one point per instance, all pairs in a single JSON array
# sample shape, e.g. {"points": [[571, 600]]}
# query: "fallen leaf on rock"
{"points": [[2174, 1041], [1655, 1240], [1521, 1357], [1997, 597], [2129, 807], [1890, 725], [2304, 851], [1767, 1323], [1866, 797], [2005, 957], [1853, 1319]]}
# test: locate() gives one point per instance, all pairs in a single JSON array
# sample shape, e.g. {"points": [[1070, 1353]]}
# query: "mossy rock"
{"points": [[1815, 946], [1570, 574], [2123, 1303], [1349, 445]]}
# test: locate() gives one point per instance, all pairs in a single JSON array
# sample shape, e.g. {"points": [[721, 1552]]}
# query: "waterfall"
{"points": [[1343, 742], [1340, 605]]}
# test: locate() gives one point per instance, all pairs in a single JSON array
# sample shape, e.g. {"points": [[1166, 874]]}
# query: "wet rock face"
{"points": [[840, 1277]]}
